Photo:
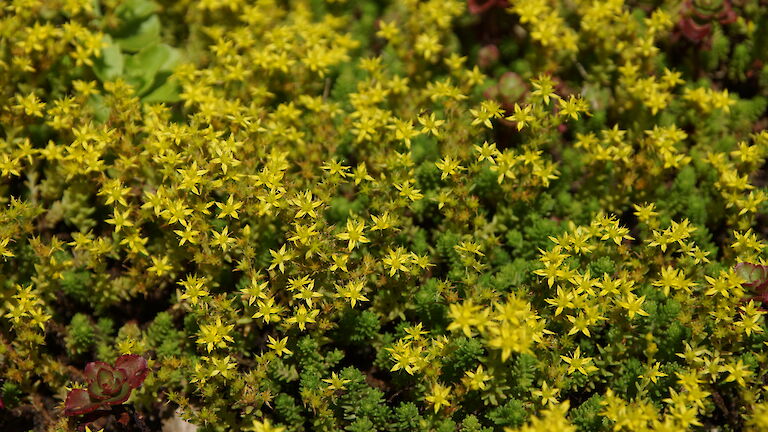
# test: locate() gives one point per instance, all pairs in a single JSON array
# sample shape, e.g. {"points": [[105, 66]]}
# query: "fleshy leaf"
{"points": [[110, 382], [119, 397], [92, 369], [479, 6], [135, 367], [110, 64], [92, 372], [693, 31], [756, 276], [79, 402], [140, 34]]}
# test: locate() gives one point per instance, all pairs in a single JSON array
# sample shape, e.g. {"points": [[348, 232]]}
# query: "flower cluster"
{"points": [[399, 215]]}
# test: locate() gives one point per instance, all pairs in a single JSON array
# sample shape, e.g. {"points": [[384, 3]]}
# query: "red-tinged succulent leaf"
{"points": [[756, 276], [135, 367], [512, 88], [119, 397], [727, 15], [79, 402], [110, 382], [92, 369], [693, 31], [479, 6], [107, 384], [104, 376], [97, 376], [96, 392]]}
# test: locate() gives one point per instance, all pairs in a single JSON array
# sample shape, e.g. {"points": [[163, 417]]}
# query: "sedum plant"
{"points": [[107, 385], [403, 215]]}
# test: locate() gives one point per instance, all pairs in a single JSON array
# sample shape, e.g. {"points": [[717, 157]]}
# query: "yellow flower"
{"points": [[31, 105], [279, 346], [633, 305], [302, 317], [580, 324], [306, 205], [653, 373], [428, 45], [120, 219], [229, 208], [404, 131], [408, 191], [194, 289], [489, 109], [737, 372], [187, 235], [215, 335], [414, 332], [486, 152], [385, 221], [522, 116], [336, 383], [279, 258], [353, 234], [449, 167], [510, 338], [388, 30], [544, 88], [476, 380], [352, 291], [397, 260], [264, 425], [465, 316], [439, 397], [430, 124], [646, 213], [578, 363], [255, 290], [572, 107], [4, 251], [339, 262], [268, 311], [222, 239], [547, 394]]}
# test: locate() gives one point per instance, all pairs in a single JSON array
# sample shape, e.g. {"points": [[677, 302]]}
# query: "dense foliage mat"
{"points": [[371, 215]]}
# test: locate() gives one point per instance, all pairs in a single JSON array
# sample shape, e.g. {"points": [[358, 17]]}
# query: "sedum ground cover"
{"points": [[330, 215]]}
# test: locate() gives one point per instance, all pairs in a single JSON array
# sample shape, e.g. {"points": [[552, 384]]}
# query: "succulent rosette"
{"points": [[698, 15], [755, 277], [753, 274], [479, 6], [107, 385]]}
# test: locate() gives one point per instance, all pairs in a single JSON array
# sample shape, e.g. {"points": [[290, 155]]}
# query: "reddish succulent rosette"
{"points": [[756, 277], [107, 385], [479, 6], [697, 18]]}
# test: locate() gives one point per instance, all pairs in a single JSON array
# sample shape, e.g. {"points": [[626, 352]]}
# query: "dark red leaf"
{"points": [[114, 382], [92, 370], [79, 402], [693, 31], [135, 368], [119, 397], [755, 275], [479, 6]]}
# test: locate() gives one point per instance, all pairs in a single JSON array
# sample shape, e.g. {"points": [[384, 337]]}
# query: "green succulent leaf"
{"points": [[140, 35], [110, 64]]}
